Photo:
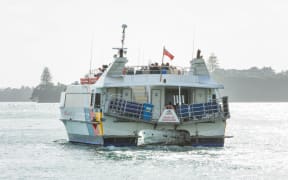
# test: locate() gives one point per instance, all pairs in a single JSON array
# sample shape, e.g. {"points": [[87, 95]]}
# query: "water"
{"points": [[33, 145]]}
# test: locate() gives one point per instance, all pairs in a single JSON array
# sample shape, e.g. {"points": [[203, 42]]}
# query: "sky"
{"points": [[58, 34]]}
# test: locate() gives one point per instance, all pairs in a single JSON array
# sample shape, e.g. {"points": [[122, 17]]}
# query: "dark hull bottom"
{"points": [[208, 142], [123, 141], [132, 141]]}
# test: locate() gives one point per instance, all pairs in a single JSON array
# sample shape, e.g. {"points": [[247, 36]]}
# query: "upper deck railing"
{"points": [[172, 75], [137, 70]]}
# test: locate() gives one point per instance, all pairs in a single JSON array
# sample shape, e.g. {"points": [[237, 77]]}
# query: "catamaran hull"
{"points": [[82, 132], [141, 133]]}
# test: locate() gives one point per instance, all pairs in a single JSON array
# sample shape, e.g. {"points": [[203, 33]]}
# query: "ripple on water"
{"points": [[33, 145]]}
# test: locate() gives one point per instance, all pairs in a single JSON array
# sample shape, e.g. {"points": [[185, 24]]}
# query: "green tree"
{"points": [[46, 76]]}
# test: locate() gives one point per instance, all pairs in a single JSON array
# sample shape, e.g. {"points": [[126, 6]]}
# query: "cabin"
{"points": [[144, 92]]}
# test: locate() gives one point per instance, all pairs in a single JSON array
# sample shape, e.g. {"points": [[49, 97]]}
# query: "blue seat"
{"points": [[133, 109], [197, 110], [183, 111]]}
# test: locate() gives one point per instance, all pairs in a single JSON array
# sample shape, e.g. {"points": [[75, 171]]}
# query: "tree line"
{"points": [[45, 91], [253, 84]]}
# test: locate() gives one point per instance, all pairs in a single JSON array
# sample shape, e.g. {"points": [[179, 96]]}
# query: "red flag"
{"points": [[167, 53]]}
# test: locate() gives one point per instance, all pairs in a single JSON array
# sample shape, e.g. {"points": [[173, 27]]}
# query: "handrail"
{"points": [[138, 70], [130, 108], [192, 112], [200, 111]]}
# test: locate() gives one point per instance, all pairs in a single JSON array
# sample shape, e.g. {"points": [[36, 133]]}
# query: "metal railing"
{"points": [[200, 111], [138, 70], [131, 109], [186, 112]]}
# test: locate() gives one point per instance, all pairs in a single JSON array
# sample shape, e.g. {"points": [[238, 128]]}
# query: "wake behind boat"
{"points": [[143, 105]]}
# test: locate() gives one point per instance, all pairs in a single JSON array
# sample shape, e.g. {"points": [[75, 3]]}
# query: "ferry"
{"points": [[157, 104]]}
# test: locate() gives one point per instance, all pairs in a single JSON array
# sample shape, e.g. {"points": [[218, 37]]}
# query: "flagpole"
{"points": [[163, 55], [162, 64]]}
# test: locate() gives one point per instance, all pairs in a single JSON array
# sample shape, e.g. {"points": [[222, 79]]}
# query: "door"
{"points": [[156, 101], [200, 96], [126, 94]]}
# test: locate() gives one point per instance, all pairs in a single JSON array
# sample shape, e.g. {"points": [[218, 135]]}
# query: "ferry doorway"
{"points": [[126, 94], [172, 96], [200, 95], [156, 101]]}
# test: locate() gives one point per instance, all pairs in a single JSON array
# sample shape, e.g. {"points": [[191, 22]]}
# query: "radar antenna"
{"points": [[121, 50]]}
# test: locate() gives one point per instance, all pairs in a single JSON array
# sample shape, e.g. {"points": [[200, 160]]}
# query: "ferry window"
{"points": [[213, 97], [77, 100], [97, 100]]}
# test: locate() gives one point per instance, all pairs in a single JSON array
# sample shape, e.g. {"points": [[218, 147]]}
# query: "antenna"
{"points": [[91, 54], [193, 43], [124, 26], [121, 50]]}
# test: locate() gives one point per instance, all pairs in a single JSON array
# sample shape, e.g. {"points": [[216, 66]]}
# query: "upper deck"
{"points": [[156, 76]]}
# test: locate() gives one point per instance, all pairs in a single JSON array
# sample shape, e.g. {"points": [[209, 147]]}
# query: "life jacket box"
{"points": [[147, 111]]}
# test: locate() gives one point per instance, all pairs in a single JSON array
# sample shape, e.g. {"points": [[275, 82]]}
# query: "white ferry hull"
{"points": [[82, 132], [131, 133]]}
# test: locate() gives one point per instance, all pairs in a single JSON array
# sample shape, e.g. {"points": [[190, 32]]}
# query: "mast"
{"points": [[121, 50], [118, 67], [124, 26]]}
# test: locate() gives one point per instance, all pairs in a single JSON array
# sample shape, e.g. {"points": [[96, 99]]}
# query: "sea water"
{"points": [[33, 145]]}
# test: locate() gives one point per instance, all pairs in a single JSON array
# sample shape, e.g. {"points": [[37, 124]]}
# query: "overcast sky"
{"points": [[58, 34]]}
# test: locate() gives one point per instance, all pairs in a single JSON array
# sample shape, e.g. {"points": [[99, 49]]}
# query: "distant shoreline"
{"points": [[251, 85]]}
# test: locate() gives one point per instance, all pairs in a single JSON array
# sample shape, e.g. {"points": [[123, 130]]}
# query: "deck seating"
{"points": [[197, 111], [131, 109], [183, 111]]}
